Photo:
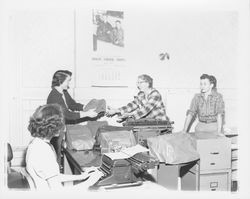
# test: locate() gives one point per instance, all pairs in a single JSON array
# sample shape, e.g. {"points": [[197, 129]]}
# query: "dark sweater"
{"points": [[71, 117]]}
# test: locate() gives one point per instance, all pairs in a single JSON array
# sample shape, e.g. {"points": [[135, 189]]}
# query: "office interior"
{"points": [[197, 38]]}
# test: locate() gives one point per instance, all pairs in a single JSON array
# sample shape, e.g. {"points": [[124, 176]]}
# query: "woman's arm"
{"points": [[148, 105], [72, 104], [219, 123], [220, 106], [56, 181], [56, 98], [188, 120], [84, 175], [130, 107], [191, 114]]}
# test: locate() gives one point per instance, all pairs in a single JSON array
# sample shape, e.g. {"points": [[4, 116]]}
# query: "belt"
{"points": [[207, 122]]}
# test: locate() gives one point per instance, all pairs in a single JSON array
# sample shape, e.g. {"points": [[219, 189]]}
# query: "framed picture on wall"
{"points": [[108, 32]]}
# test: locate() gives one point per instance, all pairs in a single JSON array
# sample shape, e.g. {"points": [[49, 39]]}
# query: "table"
{"points": [[179, 176], [75, 161], [166, 175]]}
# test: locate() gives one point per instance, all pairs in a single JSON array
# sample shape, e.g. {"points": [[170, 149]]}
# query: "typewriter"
{"points": [[145, 128], [125, 172], [142, 162]]}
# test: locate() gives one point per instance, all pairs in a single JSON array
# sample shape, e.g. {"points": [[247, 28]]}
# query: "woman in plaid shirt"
{"points": [[208, 106], [147, 104]]}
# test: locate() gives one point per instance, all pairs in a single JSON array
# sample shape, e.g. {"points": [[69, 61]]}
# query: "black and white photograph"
{"points": [[131, 99], [108, 28]]}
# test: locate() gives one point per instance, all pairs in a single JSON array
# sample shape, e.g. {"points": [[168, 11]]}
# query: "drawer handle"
{"points": [[214, 153], [214, 185], [212, 163]]}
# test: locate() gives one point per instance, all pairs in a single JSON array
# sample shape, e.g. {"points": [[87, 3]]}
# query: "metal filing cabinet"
{"points": [[215, 164], [233, 136], [215, 181]]}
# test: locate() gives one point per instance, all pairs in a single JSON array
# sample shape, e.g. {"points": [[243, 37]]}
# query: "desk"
{"points": [[75, 161], [175, 176], [146, 186], [168, 176]]}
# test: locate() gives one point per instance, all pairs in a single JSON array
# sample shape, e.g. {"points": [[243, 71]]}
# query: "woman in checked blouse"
{"points": [[208, 106], [147, 104]]}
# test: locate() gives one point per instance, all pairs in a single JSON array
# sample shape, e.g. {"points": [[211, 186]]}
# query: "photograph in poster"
{"points": [[108, 29]]}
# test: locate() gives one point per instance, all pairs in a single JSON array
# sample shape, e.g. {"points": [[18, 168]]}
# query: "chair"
{"points": [[17, 179]]}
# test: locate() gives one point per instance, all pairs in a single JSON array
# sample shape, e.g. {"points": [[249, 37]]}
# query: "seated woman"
{"points": [[73, 111], [147, 104], [208, 106], [41, 162]]}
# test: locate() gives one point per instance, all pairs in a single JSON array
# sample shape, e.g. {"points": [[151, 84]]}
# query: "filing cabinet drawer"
{"points": [[214, 153], [215, 182], [234, 164], [234, 154], [234, 174]]}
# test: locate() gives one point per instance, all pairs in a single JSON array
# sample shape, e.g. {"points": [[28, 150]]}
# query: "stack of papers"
{"points": [[127, 152]]}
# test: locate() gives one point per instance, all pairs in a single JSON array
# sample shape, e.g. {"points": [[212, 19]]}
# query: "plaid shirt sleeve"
{"points": [[130, 106], [147, 106], [220, 105], [193, 110]]}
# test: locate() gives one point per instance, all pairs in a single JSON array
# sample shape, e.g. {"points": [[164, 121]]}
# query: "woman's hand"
{"points": [[89, 113], [90, 169], [92, 113], [111, 111], [84, 175], [221, 134], [124, 117], [94, 177]]}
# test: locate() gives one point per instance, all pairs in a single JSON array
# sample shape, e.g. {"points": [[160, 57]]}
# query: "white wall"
{"points": [[42, 41]]}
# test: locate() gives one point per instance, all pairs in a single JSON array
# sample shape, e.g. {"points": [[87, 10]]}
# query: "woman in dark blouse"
{"points": [[208, 106], [73, 111]]}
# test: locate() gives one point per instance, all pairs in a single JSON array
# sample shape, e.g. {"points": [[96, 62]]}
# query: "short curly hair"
{"points": [[211, 79], [147, 78], [47, 121]]}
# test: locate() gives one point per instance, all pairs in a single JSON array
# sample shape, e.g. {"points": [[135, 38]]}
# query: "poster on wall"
{"points": [[108, 32], [108, 61]]}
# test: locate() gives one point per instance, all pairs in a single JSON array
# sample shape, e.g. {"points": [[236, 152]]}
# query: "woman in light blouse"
{"points": [[208, 106], [41, 160]]}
